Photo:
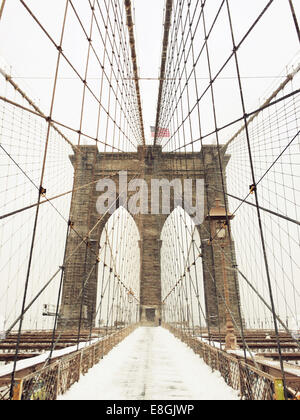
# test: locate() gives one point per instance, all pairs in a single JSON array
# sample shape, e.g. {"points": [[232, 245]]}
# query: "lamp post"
{"points": [[129, 310], [219, 230]]}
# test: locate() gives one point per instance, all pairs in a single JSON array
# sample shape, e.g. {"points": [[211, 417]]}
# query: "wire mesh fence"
{"points": [[57, 378], [250, 382]]}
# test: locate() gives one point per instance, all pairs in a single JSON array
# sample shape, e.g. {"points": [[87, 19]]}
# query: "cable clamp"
{"points": [[42, 191], [253, 188]]}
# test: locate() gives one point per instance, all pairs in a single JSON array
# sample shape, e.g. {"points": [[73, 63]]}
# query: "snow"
{"points": [[215, 344], [151, 364], [28, 363], [293, 370]]}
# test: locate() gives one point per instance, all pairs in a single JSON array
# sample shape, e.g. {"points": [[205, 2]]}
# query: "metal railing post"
{"points": [[279, 390], [18, 390]]}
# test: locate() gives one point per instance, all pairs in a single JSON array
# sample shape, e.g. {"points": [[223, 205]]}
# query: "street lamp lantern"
{"points": [[218, 218]]}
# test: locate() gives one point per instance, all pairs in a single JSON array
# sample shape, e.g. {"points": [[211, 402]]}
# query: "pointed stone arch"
{"points": [[91, 165]]}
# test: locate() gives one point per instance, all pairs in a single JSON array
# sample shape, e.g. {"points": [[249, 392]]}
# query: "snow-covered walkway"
{"points": [[151, 364]]}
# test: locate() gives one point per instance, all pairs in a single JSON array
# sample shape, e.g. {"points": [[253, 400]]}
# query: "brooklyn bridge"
{"points": [[149, 200]]}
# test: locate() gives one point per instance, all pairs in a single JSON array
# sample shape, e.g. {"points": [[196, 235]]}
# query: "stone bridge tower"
{"points": [[147, 163]]}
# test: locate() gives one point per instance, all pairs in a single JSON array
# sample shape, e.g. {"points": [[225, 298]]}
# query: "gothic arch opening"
{"points": [[118, 289], [183, 294]]}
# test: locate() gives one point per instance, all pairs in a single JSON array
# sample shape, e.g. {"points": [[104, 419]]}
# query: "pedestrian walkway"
{"points": [[151, 364]]}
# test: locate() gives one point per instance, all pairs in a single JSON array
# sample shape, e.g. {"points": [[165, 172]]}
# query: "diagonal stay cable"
{"points": [[8, 331], [231, 56], [257, 206], [240, 119], [51, 120], [71, 66]]}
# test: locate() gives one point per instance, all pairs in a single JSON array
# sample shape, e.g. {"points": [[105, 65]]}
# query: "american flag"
{"points": [[161, 132]]}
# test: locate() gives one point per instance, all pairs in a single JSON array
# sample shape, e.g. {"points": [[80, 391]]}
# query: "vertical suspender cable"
{"points": [[257, 200], [41, 193]]}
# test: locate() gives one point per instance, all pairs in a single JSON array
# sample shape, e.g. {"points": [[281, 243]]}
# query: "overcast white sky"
{"points": [[267, 51]]}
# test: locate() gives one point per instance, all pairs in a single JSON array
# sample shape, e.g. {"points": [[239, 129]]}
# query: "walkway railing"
{"points": [[252, 384], [55, 379]]}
